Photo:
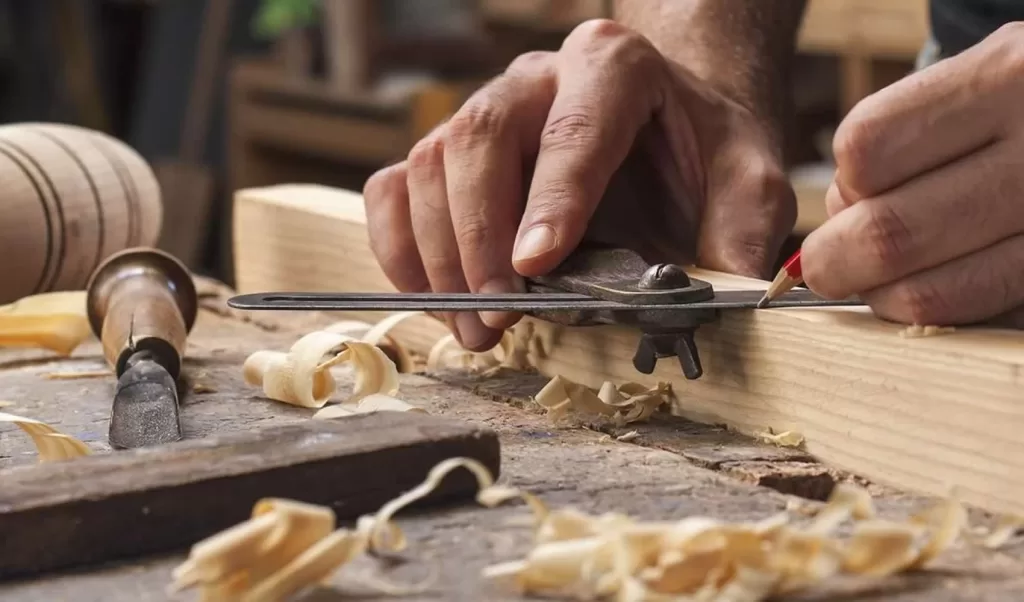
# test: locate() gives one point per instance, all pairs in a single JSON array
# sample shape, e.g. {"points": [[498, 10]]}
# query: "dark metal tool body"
{"points": [[142, 304], [592, 287]]}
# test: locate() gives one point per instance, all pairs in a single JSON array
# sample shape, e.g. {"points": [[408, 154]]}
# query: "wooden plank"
{"points": [[921, 414], [894, 29], [117, 505]]}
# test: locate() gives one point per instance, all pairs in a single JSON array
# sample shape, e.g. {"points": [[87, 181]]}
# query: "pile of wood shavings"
{"points": [[616, 557], [516, 351], [287, 546], [625, 404]]}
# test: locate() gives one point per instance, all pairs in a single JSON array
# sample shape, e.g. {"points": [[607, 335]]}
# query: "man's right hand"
{"points": [[605, 139]]}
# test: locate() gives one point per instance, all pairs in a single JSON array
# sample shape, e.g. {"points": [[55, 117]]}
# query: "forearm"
{"points": [[744, 48]]}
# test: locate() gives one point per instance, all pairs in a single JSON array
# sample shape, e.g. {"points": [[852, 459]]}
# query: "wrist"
{"points": [[742, 50]]}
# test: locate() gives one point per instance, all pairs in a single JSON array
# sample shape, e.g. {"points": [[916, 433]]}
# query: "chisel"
{"points": [[142, 304]]}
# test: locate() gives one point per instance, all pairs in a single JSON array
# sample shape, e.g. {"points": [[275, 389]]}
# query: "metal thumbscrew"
{"points": [[664, 276]]}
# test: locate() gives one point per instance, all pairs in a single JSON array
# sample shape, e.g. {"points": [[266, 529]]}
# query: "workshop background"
{"points": [[225, 94]]}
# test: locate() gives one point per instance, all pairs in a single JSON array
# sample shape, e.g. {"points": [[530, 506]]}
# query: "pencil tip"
{"points": [[763, 303]]}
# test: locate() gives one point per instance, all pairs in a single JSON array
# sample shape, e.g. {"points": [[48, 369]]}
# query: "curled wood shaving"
{"points": [[917, 332], [51, 444], [514, 352], [783, 439], [698, 558], [302, 376], [625, 404], [447, 354], [53, 321], [289, 546], [366, 405], [378, 334]]}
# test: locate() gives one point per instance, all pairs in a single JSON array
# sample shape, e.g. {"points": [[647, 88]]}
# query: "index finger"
{"points": [[609, 82], [927, 119], [486, 144]]}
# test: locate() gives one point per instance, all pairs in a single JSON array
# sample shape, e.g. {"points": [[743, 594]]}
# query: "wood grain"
{"points": [[919, 414], [110, 506], [71, 198]]}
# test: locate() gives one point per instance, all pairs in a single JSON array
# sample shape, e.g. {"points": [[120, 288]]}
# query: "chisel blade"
{"points": [[145, 410]]}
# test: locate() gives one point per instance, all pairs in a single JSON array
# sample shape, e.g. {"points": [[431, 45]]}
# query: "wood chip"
{"points": [[919, 332], [784, 439], [625, 404], [53, 321], [51, 444]]}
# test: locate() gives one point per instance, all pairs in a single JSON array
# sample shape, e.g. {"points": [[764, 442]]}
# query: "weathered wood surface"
{"points": [[670, 470], [207, 485]]}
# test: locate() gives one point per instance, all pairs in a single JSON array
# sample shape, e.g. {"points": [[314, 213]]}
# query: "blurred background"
{"points": [[223, 94]]}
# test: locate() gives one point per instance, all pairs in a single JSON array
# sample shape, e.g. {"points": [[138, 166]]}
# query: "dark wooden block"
{"points": [[131, 503]]}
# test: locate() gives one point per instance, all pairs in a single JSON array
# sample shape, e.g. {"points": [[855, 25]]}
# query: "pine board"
{"points": [[920, 414]]}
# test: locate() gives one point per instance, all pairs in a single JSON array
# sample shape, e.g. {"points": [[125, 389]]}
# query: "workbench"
{"points": [[671, 469]]}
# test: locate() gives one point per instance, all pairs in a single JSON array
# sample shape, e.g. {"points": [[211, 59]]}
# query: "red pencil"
{"points": [[791, 275]]}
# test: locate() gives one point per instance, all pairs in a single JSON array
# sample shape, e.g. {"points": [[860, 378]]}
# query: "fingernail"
{"points": [[499, 320], [538, 240], [472, 333]]}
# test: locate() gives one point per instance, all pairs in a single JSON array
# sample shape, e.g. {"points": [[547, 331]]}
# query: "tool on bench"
{"points": [[594, 286], [107, 507], [142, 304]]}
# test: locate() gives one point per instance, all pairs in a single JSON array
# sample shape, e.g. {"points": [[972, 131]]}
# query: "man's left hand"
{"points": [[927, 210]]}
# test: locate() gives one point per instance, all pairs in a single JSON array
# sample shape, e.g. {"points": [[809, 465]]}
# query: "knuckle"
{"points": [[426, 155], [569, 131], [597, 31], [382, 184], [1011, 47], [553, 201], [916, 303], [437, 262], [617, 47], [885, 236], [480, 118], [473, 232], [1012, 33], [530, 61], [853, 145]]}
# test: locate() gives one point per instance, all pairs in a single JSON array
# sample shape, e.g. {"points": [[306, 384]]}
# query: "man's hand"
{"points": [[605, 139], [927, 212]]}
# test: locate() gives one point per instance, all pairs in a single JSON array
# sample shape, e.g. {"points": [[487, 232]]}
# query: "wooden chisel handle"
{"points": [[142, 300]]}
